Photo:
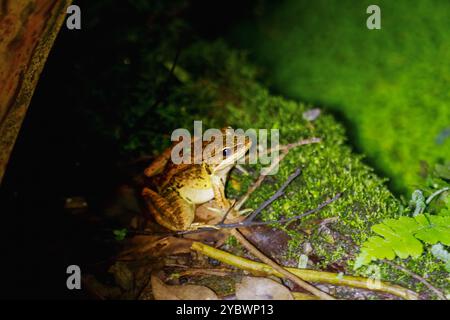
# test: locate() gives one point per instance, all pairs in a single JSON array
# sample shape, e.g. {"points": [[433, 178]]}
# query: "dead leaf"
{"points": [[155, 246], [258, 288], [272, 242], [161, 291], [122, 275]]}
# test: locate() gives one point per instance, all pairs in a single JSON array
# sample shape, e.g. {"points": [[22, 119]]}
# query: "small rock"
{"points": [[312, 114]]}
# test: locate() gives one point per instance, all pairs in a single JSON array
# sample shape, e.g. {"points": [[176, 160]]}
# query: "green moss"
{"points": [[389, 85]]}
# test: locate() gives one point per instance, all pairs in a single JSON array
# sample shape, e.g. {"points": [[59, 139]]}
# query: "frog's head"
{"points": [[224, 153]]}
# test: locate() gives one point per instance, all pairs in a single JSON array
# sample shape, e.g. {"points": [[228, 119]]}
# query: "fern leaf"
{"points": [[404, 237], [438, 230]]}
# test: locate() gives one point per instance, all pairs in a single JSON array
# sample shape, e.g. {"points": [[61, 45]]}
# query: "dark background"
{"points": [[60, 152]]}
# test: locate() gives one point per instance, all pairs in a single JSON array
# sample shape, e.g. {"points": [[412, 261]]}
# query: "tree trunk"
{"points": [[28, 29]]}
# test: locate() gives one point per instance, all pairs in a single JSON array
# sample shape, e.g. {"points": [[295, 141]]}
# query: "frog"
{"points": [[177, 189]]}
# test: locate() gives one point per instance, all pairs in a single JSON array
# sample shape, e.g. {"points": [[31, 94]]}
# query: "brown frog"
{"points": [[178, 188]]}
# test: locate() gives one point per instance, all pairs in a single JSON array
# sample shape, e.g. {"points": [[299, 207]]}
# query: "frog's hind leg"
{"points": [[170, 211]]}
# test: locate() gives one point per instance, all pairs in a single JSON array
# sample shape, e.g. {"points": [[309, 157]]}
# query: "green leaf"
{"points": [[437, 231], [404, 237], [120, 234]]}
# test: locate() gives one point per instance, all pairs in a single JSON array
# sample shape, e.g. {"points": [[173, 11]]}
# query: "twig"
{"points": [[285, 273], [222, 272], [299, 143], [278, 194], [284, 151], [289, 146], [305, 274], [258, 181], [225, 216], [417, 277], [244, 224]]}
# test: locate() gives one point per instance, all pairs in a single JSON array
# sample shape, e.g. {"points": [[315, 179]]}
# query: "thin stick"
{"points": [[278, 194], [289, 146], [245, 223], [225, 216], [222, 272], [299, 143], [306, 274], [287, 274], [258, 181], [438, 293], [284, 151]]}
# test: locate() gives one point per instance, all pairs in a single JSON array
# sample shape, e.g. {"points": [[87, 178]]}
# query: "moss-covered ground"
{"points": [[230, 95]]}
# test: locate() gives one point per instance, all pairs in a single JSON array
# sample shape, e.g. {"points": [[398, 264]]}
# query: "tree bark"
{"points": [[28, 29]]}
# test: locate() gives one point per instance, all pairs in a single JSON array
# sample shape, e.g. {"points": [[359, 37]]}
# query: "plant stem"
{"points": [[305, 274], [432, 196]]}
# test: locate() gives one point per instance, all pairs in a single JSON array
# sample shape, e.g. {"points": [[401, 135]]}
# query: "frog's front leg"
{"points": [[223, 203], [170, 211], [219, 192]]}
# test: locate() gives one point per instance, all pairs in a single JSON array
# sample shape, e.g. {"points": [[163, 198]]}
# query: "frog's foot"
{"points": [[233, 213], [199, 225]]}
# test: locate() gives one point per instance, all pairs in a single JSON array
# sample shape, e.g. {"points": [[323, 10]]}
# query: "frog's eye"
{"points": [[226, 152]]}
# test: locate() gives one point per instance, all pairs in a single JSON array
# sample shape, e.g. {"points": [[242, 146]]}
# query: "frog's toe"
{"points": [[244, 212], [235, 213], [217, 210], [199, 225]]}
